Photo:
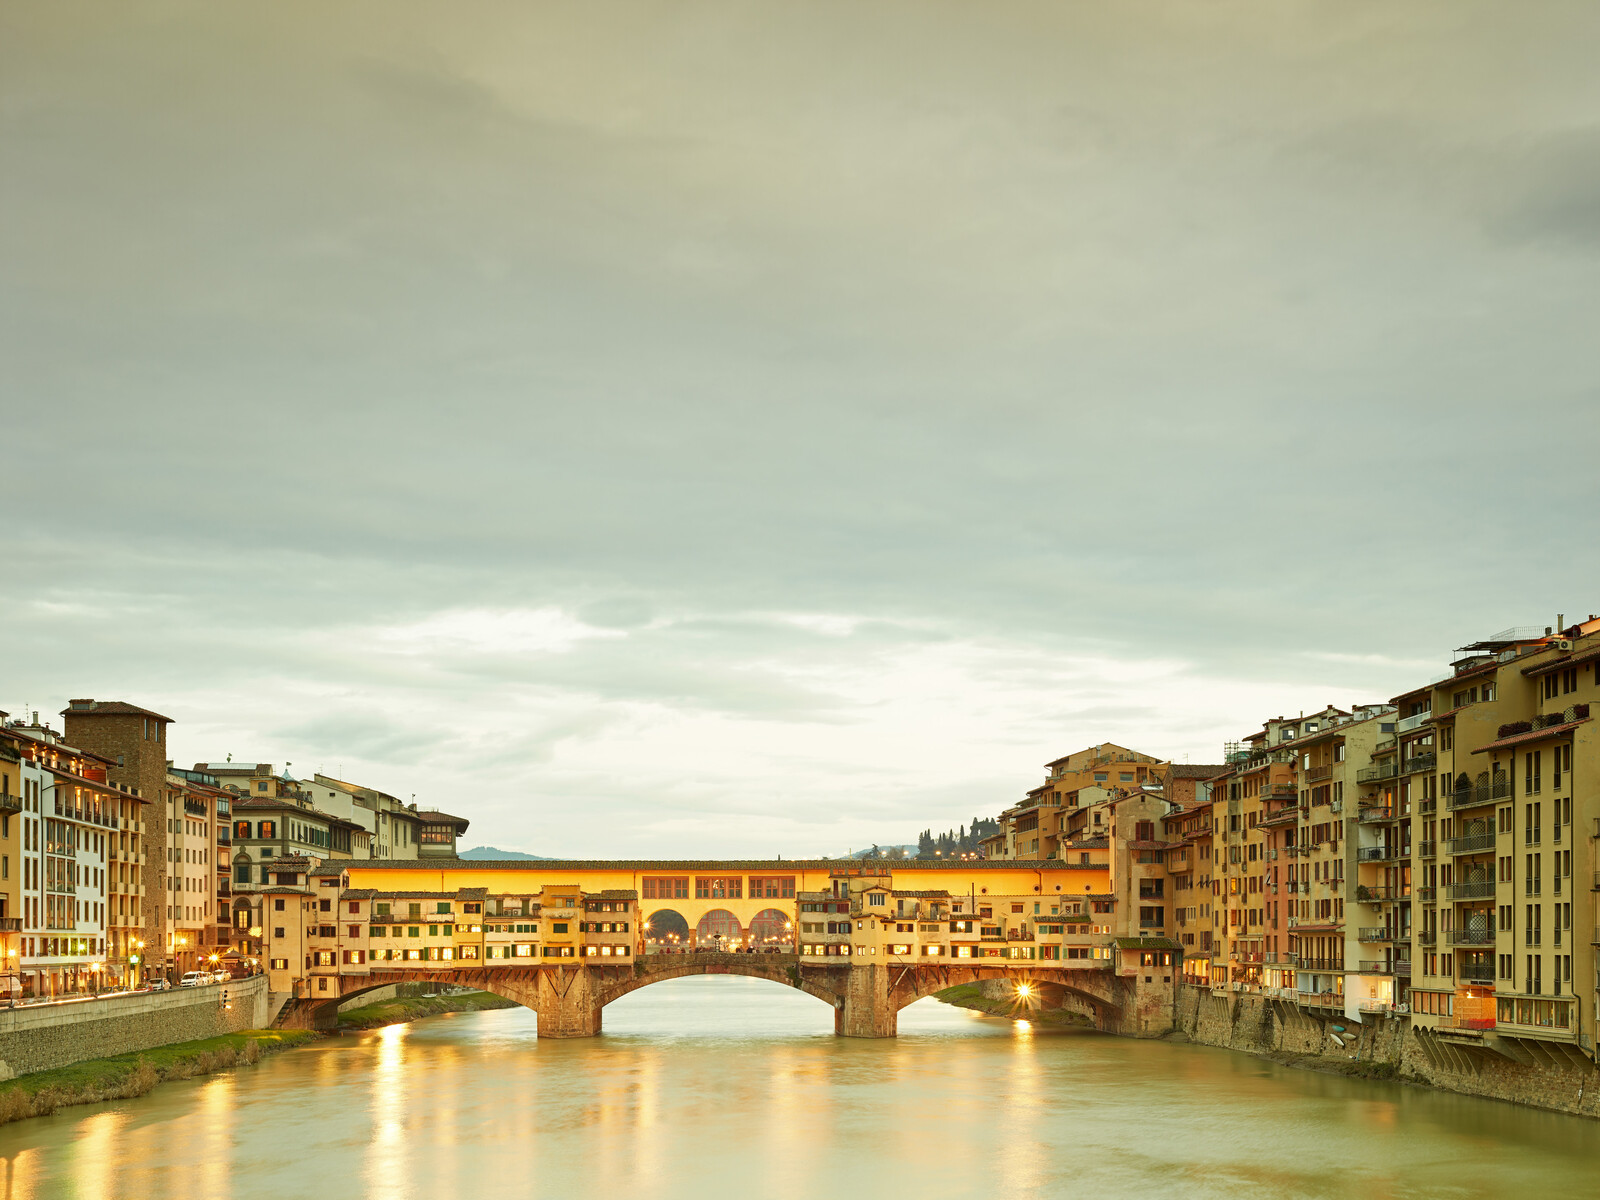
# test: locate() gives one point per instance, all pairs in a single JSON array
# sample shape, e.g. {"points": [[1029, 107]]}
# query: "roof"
{"points": [[472, 893], [1146, 844], [293, 862], [1559, 664], [1196, 770], [109, 708], [1533, 735], [1145, 943], [357, 894], [434, 817], [922, 895], [610, 894], [442, 863]]}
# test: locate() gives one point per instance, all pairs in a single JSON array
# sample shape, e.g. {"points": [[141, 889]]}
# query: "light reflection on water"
{"points": [[729, 1086]]}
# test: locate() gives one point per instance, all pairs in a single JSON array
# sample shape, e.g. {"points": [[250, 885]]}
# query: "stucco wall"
{"points": [[41, 1037]]}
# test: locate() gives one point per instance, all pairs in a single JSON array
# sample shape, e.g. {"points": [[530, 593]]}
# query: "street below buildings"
{"points": [[718, 1085]]}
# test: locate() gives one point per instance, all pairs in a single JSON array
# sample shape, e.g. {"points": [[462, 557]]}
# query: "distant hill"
{"points": [[496, 852], [910, 851]]}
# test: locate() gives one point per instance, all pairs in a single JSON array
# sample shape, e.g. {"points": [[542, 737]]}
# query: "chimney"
{"points": [[1561, 620]]}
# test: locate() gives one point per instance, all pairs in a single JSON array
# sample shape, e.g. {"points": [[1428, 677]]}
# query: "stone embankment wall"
{"points": [[1387, 1047], [45, 1036]]}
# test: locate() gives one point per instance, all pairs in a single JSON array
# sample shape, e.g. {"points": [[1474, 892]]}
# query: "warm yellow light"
{"points": [[1024, 990]]}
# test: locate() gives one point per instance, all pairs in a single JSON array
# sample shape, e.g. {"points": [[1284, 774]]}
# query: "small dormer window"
{"points": [[875, 899]]}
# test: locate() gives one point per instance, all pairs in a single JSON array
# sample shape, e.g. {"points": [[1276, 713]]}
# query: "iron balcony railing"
{"points": [[1483, 793], [1427, 849], [1427, 893], [1376, 772], [1475, 973], [1427, 937], [1420, 762], [1472, 937], [1376, 934], [1473, 889], [1473, 843]]}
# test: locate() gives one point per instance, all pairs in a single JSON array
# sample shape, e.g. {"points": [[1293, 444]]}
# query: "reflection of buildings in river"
{"points": [[218, 1102], [387, 1158], [95, 1155]]}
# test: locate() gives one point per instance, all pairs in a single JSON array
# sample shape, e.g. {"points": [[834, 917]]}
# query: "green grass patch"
{"points": [[409, 1008], [127, 1075]]}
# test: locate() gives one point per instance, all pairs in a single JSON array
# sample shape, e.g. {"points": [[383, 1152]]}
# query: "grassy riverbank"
{"points": [[409, 1008], [970, 995], [127, 1075]]}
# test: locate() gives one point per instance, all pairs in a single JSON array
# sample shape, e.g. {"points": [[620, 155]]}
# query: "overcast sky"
{"points": [[755, 428]]}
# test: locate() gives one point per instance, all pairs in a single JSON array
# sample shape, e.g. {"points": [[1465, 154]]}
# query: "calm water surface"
{"points": [[721, 1086]]}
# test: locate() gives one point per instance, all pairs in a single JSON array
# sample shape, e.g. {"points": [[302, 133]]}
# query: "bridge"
{"points": [[567, 939]]}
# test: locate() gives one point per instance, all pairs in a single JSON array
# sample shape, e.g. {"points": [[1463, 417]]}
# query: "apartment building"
{"points": [[11, 827], [273, 818], [393, 830], [1508, 821], [1035, 829], [198, 810], [131, 743], [78, 910]]}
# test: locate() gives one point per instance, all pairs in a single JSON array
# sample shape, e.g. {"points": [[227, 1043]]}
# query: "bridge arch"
{"points": [[666, 927], [771, 928], [719, 929], [1099, 990], [775, 968]]}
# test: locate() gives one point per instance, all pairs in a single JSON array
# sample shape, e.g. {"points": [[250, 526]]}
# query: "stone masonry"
{"points": [[45, 1036]]}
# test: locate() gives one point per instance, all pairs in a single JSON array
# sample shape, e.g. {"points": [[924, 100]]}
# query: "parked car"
{"points": [[160, 985], [194, 978]]}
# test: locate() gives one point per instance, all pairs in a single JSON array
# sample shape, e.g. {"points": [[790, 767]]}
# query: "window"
{"points": [[772, 887], [266, 829], [280, 964], [719, 888], [558, 927], [323, 958]]}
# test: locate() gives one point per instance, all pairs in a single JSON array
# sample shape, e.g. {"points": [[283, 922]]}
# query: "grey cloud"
{"points": [[1046, 331]]}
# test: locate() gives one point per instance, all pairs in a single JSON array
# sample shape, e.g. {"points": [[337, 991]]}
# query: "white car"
{"points": [[194, 978]]}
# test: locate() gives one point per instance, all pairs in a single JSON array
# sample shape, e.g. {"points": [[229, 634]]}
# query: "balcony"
{"points": [[1379, 853], [1318, 774], [1475, 972], [10, 924], [1376, 895], [10, 803], [1427, 849], [1473, 843], [1426, 894], [1427, 937], [1420, 762], [1376, 813], [1471, 937], [1473, 889], [1376, 934], [1483, 793], [1414, 721], [1377, 772]]}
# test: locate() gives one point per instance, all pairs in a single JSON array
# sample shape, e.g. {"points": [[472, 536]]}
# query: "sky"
{"points": [[656, 430]]}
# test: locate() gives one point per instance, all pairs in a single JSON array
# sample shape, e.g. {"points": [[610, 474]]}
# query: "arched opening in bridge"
{"points": [[665, 929], [719, 929], [771, 930]]}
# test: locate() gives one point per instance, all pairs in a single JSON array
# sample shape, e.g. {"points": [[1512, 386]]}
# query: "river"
{"points": [[728, 1087]]}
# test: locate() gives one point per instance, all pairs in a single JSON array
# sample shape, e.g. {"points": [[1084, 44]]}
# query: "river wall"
{"points": [[1388, 1047], [45, 1036]]}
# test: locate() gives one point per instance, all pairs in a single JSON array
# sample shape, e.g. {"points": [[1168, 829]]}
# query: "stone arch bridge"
{"points": [[866, 998]]}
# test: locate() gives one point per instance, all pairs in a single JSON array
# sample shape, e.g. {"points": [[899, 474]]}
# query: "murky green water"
{"points": [[728, 1087]]}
